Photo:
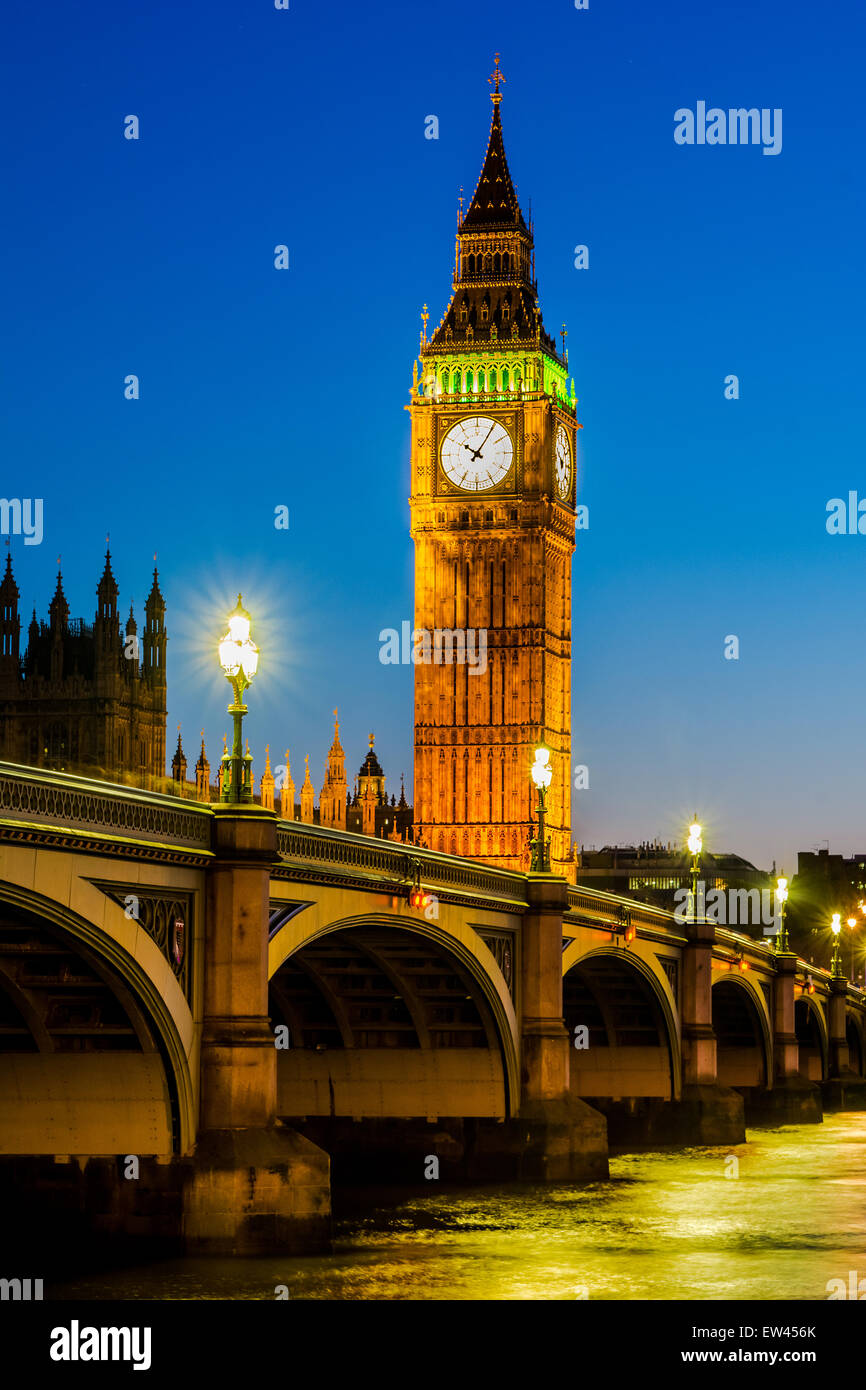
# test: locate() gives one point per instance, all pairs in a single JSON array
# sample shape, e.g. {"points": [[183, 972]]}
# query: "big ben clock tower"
{"points": [[493, 521]]}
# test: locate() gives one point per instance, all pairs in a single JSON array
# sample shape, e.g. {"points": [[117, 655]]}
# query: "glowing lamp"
{"points": [[542, 775], [238, 655], [239, 658], [695, 842], [541, 771]]}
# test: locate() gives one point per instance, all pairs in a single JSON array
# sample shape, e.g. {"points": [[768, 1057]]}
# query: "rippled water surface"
{"points": [[667, 1225]]}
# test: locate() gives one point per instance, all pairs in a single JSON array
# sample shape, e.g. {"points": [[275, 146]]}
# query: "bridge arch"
{"points": [[89, 1036], [633, 1037], [394, 1018], [811, 1029], [744, 1045]]}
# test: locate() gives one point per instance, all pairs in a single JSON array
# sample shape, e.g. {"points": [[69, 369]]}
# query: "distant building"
{"points": [[823, 884], [366, 811], [85, 698], [652, 872], [826, 883]]}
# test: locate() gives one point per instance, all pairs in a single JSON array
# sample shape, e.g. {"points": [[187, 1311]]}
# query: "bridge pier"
{"points": [[559, 1138], [706, 1113], [791, 1100], [253, 1184], [844, 1089]]}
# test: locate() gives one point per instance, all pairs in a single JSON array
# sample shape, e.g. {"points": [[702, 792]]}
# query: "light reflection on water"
{"points": [[668, 1225]]}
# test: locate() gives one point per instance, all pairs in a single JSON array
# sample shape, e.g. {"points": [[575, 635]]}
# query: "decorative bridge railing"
{"points": [[313, 851], [80, 813]]}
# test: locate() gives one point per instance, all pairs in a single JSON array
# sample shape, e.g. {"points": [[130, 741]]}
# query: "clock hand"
{"points": [[476, 453], [488, 434]]}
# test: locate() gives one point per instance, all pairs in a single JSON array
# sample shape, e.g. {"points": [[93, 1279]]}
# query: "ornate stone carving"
{"points": [[166, 917], [672, 972], [501, 946]]}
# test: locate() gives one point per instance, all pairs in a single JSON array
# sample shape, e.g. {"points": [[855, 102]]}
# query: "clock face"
{"points": [[563, 462], [477, 453]]}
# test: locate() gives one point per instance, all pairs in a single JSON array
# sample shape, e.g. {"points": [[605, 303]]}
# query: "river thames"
{"points": [[668, 1225]]}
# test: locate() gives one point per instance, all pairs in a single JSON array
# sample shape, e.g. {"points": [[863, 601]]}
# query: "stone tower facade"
{"points": [[85, 698], [493, 521]]}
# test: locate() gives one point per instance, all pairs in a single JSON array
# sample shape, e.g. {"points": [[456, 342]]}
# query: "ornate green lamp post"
{"points": [[542, 776], [852, 927], [239, 658], [781, 900], [695, 844], [836, 927]]}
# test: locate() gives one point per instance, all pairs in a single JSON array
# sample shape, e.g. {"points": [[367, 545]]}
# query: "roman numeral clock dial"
{"points": [[477, 453], [563, 463]]}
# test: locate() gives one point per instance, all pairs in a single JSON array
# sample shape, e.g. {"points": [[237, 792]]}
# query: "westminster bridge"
{"points": [[204, 1010]]}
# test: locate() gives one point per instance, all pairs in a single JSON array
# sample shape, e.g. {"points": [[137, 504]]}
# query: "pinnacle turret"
{"points": [[107, 590], [58, 608], [10, 624]]}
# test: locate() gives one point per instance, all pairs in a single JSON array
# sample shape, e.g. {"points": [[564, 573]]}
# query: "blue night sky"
{"points": [[261, 387]]}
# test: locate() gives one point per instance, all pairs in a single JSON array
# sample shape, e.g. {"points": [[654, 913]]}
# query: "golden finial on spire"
{"points": [[425, 314], [372, 741], [496, 78]]}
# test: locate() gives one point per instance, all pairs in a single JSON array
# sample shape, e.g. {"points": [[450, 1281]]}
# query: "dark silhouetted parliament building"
{"points": [[87, 698]]}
